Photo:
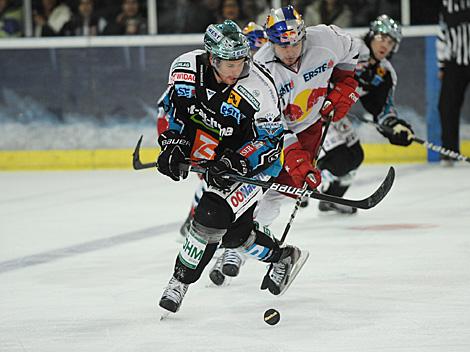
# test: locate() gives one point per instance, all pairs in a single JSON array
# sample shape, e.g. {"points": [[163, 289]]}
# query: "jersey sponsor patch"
{"points": [[234, 98], [183, 90], [249, 97], [318, 70], [286, 88], [250, 148], [242, 196], [183, 64], [183, 77], [192, 251], [230, 110], [204, 146]]}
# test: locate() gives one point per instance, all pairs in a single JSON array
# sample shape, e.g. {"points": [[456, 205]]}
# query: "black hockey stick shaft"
{"points": [[264, 283], [299, 199], [365, 203], [435, 148]]}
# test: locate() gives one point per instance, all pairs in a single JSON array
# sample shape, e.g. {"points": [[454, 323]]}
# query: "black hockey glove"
{"points": [[175, 150], [229, 162], [398, 132]]}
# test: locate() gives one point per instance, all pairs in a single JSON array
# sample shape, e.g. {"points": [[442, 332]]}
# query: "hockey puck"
{"points": [[272, 316]]}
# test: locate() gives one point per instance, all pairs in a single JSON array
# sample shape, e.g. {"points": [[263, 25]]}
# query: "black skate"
{"points": [[173, 295], [285, 270], [228, 264], [232, 261], [324, 206]]}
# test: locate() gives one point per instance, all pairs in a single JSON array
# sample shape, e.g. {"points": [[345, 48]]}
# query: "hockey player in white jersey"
{"points": [[313, 69], [342, 153], [224, 115], [314, 73]]}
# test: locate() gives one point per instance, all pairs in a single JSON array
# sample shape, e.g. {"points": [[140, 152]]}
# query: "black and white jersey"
{"points": [[453, 44], [377, 82], [244, 117]]}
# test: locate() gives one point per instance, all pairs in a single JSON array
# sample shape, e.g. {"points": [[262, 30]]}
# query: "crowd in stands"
{"points": [[129, 17]]}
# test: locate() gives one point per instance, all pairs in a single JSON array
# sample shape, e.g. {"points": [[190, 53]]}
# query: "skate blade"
{"points": [[300, 263], [165, 314]]}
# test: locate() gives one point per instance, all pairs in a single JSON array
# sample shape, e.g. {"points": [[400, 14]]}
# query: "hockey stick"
{"points": [[366, 203], [264, 283], [435, 148]]}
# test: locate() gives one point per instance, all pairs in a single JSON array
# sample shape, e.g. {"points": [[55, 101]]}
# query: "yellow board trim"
{"points": [[122, 158]]}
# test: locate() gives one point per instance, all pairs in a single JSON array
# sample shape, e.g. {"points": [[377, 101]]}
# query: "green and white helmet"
{"points": [[226, 41], [386, 25]]}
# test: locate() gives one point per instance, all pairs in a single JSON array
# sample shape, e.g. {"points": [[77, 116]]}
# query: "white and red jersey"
{"points": [[328, 55]]}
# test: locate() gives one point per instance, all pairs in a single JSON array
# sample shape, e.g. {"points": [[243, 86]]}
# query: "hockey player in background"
{"points": [[225, 116], [313, 70], [342, 153]]}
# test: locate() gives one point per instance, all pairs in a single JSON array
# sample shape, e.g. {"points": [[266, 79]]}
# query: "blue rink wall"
{"points": [[85, 107]]}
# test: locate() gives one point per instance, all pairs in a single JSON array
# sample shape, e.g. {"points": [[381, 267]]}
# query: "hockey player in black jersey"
{"points": [[224, 115]]}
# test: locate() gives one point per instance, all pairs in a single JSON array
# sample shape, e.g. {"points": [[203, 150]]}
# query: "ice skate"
{"points": [[228, 264], [173, 295], [285, 270], [325, 206], [232, 261], [216, 275]]}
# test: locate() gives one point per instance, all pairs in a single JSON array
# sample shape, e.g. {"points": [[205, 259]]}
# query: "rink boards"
{"points": [[122, 158]]}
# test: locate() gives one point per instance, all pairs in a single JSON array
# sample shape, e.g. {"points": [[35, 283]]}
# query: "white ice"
{"points": [[84, 258]]}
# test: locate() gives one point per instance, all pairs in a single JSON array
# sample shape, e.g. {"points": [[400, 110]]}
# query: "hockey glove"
{"points": [[397, 131], [340, 99], [299, 166], [175, 150], [229, 162]]}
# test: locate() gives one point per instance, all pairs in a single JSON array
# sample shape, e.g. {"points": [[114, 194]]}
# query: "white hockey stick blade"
{"points": [[295, 271]]}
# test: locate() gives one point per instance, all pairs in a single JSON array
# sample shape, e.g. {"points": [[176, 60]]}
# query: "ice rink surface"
{"points": [[84, 258]]}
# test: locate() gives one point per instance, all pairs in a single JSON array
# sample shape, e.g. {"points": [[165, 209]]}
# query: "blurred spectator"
{"points": [[11, 19], [251, 9], [231, 10], [50, 17], [106, 9], [328, 12], [365, 11], [85, 22], [186, 16], [129, 22]]}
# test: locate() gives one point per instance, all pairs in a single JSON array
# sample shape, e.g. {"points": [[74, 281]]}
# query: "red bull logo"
{"points": [[303, 103], [288, 37]]}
